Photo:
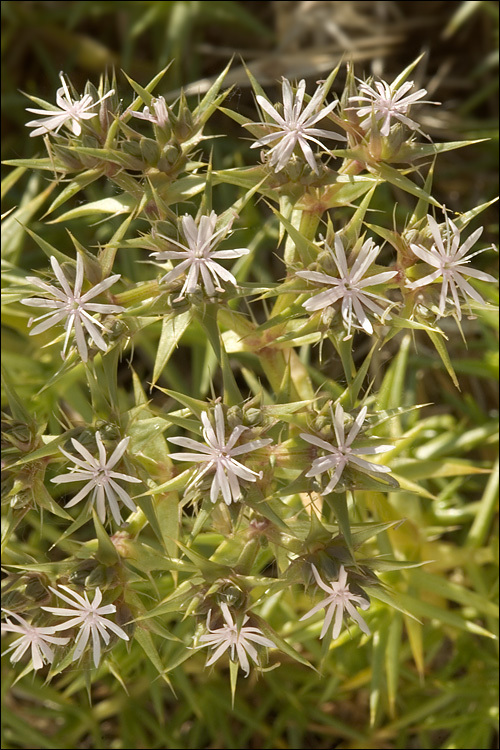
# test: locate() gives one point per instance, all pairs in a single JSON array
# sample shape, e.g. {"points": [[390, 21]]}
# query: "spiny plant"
{"points": [[281, 517]]}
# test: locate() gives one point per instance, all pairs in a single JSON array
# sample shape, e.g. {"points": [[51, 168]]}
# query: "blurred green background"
{"points": [[449, 701]]}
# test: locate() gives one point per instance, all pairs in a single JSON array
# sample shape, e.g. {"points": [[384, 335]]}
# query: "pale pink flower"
{"points": [[99, 477], [239, 640], [200, 256], [350, 287], [72, 307], [344, 453], [450, 261], [34, 637], [217, 453], [295, 127], [90, 617], [386, 103], [159, 115], [70, 113], [338, 601]]}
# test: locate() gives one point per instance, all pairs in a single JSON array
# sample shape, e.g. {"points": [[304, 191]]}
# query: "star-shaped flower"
{"points": [[385, 102], [91, 619], [72, 307], [218, 454], [70, 113], [344, 453], [38, 638], [237, 639], [450, 259], [350, 287], [295, 127], [200, 257], [100, 478], [159, 115], [338, 601]]}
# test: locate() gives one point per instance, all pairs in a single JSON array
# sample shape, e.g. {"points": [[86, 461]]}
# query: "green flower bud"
{"points": [[86, 437], [116, 328], [79, 576], [253, 417], [231, 595], [102, 575], [36, 590], [108, 430], [171, 152], [150, 150], [184, 125], [132, 148], [233, 416], [193, 605]]}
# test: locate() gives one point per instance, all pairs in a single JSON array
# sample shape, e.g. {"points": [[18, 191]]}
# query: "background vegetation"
{"points": [[424, 686]]}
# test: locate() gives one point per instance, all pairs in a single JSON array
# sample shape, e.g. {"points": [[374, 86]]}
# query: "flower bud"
{"points": [[108, 430], [233, 416], [102, 575], [116, 329], [171, 152], [86, 437], [184, 124], [253, 417], [79, 576], [36, 590], [150, 150], [231, 595], [132, 148]]}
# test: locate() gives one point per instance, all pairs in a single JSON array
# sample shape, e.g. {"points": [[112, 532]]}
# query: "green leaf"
{"points": [[143, 637], [145, 94], [121, 204], [106, 551], [441, 350], [74, 187], [172, 331], [233, 677], [338, 503], [394, 177]]}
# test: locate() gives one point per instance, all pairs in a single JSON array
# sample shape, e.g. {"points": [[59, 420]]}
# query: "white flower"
{"points": [[219, 454], [350, 287], [237, 639], [295, 127], [199, 256], [386, 103], [160, 115], [70, 112], [100, 478], [449, 260], [38, 638], [343, 453], [339, 600], [71, 306], [90, 617]]}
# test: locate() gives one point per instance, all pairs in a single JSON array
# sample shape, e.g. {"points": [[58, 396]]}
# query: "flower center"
{"points": [[101, 477]]}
